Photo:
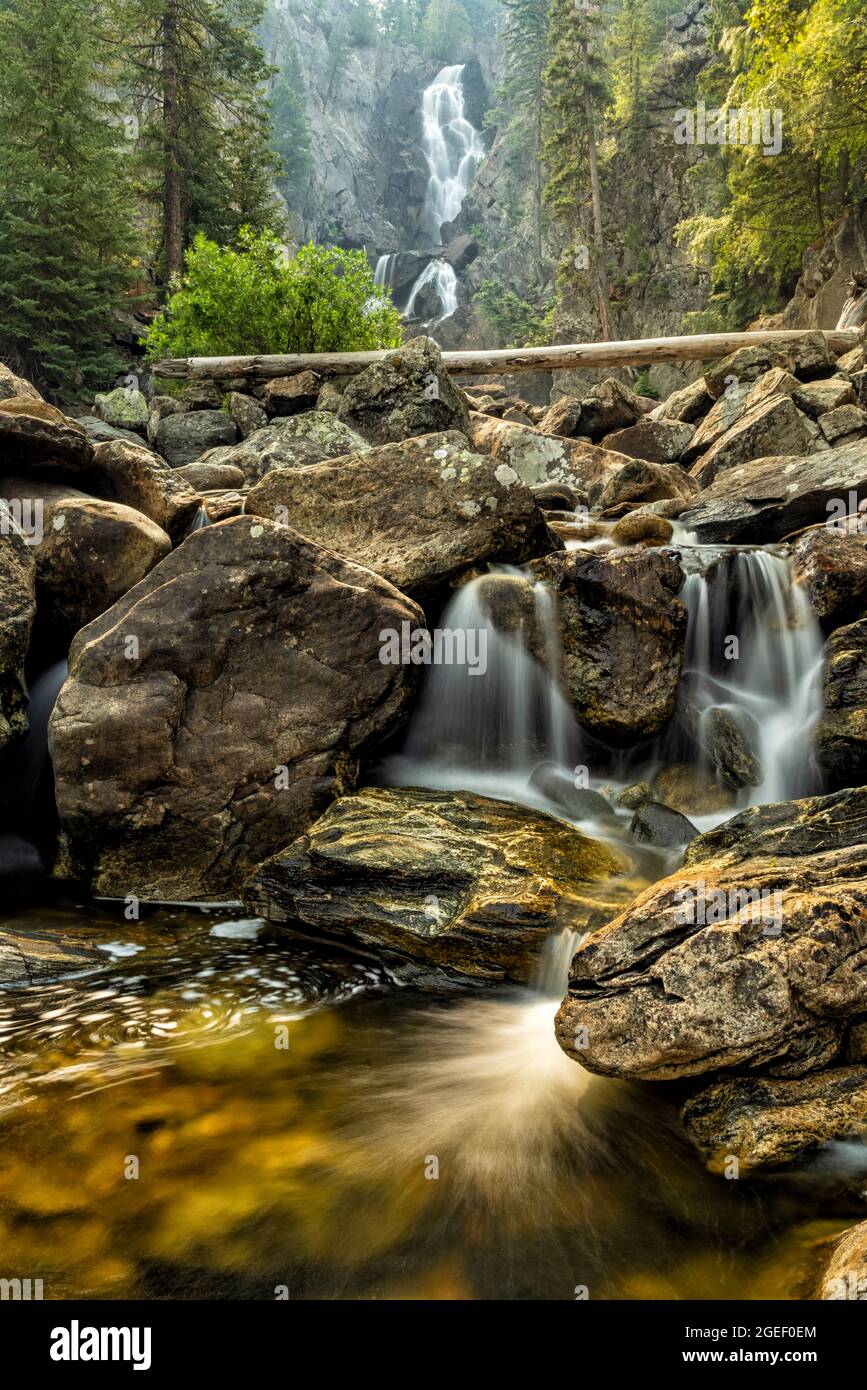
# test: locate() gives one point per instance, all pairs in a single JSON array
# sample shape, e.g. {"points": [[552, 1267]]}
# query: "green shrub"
{"points": [[251, 299], [644, 387]]}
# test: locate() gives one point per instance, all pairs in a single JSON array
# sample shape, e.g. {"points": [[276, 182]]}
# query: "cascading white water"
{"points": [[769, 682], [382, 273], [490, 730], [444, 280], [453, 150]]}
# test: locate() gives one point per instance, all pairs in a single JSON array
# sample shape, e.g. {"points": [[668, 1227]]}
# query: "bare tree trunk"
{"points": [[172, 221]]}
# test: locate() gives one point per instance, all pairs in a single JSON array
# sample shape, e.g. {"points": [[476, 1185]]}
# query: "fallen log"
{"points": [[639, 352]]}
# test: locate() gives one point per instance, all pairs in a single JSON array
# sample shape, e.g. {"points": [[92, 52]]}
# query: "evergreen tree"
{"points": [[521, 92], [65, 204], [575, 95], [199, 76], [291, 139], [446, 32]]}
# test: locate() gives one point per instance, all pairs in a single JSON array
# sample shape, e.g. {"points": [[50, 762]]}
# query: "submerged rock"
{"points": [[623, 630], [752, 954], [764, 1123], [730, 744], [213, 712], [17, 611], [578, 803], [655, 824], [418, 513], [443, 887], [408, 394]]}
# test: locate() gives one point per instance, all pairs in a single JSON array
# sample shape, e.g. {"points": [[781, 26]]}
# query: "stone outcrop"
{"points": [[841, 736], [409, 393], [443, 887], [540, 459], [17, 611], [831, 565], [697, 976], [136, 477]]}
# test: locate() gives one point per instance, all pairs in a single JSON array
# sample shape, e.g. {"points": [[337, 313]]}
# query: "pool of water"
{"points": [[218, 1111]]}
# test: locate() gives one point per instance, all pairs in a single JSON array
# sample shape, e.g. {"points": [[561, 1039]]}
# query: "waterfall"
{"points": [[444, 280], [768, 681], [453, 150], [485, 731], [382, 274]]}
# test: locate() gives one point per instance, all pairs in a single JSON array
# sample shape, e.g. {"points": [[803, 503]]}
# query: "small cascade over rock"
{"points": [[751, 687], [506, 715]]}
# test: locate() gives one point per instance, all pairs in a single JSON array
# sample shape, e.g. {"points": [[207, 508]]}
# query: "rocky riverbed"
{"points": [[340, 723]]}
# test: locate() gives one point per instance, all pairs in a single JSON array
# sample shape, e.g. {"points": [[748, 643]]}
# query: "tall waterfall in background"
{"points": [[453, 150]]}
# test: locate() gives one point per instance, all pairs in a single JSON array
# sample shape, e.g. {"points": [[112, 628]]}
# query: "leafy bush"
{"points": [[251, 299], [517, 322]]}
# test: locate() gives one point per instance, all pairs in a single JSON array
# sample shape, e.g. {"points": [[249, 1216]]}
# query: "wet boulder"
{"points": [[692, 790], [844, 1276], [639, 528], [730, 744], [17, 611], [623, 630], [640, 481], [655, 824], [418, 512], [410, 393], [831, 566], [560, 789], [445, 888], [750, 955], [213, 712], [765, 1123], [841, 735]]}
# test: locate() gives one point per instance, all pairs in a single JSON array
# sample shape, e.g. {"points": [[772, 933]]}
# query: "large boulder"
{"points": [[137, 477], [91, 554], [844, 1276], [247, 413], [687, 404], [409, 393], [292, 442], [290, 395], [17, 611], [443, 887], [831, 566], [751, 955], [768, 499], [764, 1122], [183, 438], [609, 406], [540, 459], [35, 437], [623, 630], [418, 513], [841, 735], [214, 711], [658, 441], [775, 426]]}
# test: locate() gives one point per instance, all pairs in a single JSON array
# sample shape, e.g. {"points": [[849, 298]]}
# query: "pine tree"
{"points": [[65, 204], [446, 32], [575, 93], [521, 92], [291, 139], [199, 78]]}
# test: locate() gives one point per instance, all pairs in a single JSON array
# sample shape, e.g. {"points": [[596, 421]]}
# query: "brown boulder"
{"points": [[34, 436], [17, 611], [215, 710], [138, 478]]}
